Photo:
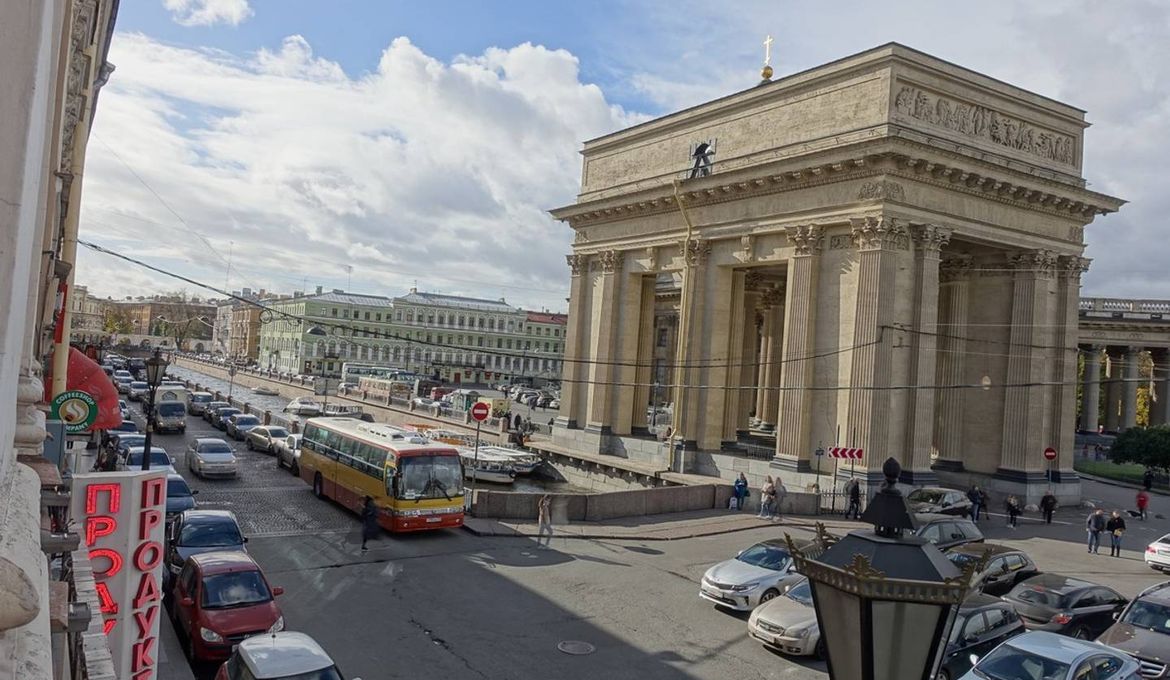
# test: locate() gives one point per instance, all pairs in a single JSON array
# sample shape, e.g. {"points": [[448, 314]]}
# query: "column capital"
{"points": [[611, 260], [695, 251], [1072, 266], [930, 238], [807, 238], [578, 263], [956, 268], [1041, 263], [879, 232]]}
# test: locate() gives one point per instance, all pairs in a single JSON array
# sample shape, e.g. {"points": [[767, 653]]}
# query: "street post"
{"points": [[479, 412]]}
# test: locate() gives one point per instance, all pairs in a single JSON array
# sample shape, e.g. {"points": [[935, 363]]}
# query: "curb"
{"points": [[1118, 483], [513, 533]]}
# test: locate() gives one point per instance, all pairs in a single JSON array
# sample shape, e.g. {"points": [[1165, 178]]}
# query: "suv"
{"points": [[946, 531], [1004, 569], [1143, 630]]}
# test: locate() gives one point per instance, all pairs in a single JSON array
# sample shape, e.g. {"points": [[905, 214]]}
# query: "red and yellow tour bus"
{"points": [[416, 484]]}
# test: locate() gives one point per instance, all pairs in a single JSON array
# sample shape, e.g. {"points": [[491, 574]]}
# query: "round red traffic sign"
{"points": [[480, 411], [1050, 453]]}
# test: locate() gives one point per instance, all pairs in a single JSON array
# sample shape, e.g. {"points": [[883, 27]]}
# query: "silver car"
{"points": [[212, 457], [288, 453], [752, 577], [280, 655], [788, 623], [264, 437]]}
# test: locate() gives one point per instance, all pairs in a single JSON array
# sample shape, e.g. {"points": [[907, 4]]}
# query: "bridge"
{"points": [[1125, 344]]}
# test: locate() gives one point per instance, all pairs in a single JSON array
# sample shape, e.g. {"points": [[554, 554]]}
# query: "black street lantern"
{"points": [[156, 368], [885, 602]]}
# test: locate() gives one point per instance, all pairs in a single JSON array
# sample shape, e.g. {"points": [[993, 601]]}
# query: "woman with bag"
{"points": [[767, 499], [740, 490], [1116, 528]]}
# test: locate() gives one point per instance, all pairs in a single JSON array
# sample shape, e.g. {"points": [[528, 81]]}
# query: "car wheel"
{"points": [[294, 469], [249, 445], [318, 487], [1082, 633], [769, 594], [820, 653]]}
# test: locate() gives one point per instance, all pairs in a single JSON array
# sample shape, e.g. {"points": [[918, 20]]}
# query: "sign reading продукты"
{"points": [[76, 409]]}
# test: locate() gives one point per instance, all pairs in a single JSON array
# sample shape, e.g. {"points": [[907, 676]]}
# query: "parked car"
{"points": [[788, 623], [220, 417], [264, 437], [124, 408], [981, 624], [946, 531], [221, 599], [180, 497], [1004, 569], [197, 402], [238, 425], [1158, 554], [127, 425], [122, 383], [280, 655], [942, 501], [124, 441], [159, 459], [757, 574], [288, 453], [212, 457], [1065, 605], [424, 403], [138, 390], [1143, 630], [211, 407], [199, 531], [1046, 656]]}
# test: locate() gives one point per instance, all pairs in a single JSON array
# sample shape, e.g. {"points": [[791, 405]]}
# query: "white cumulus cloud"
{"points": [[208, 12]]}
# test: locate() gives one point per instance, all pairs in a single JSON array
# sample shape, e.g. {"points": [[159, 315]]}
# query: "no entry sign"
{"points": [[1050, 453], [480, 411]]}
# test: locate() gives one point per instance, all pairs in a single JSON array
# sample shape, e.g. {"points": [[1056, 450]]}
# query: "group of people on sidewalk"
{"points": [[772, 494], [1096, 524]]}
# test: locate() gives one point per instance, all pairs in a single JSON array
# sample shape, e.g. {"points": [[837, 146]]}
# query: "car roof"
{"points": [[282, 654], [208, 516], [210, 440], [1059, 583], [980, 549], [1053, 646], [224, 561], [940, 489], [174, 476], [1158, 593], [923, 518], [980, 601]]}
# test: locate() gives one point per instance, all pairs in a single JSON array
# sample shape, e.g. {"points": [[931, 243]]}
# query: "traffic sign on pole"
{"points": [[1050, 453], [480, 411]]}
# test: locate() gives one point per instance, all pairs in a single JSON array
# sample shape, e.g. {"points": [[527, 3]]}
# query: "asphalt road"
{"points": [[454, 605]]}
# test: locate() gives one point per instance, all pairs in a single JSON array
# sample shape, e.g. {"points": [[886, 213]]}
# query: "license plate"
{"points": [[431, 520], [712, 593]]}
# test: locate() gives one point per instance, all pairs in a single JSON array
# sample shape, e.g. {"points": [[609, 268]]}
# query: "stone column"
{"points": [[627, 354], [1091, 390], [736, 357], [928, 241], [763, 358], [1132, 375], [1064, 365], [686, 403], [601, 371], [645, 373], [1024, 417], [717, 331], [796, 373], [574, 368], [772, 305], [878, 240], [955, 294], [748, 373], [1113, 389], [1160, 409]]}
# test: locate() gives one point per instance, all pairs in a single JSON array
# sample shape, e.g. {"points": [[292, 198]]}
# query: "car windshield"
{"points": [[139, 385], [277, 432], [1149, 615], [235, 589], [323, 674], [210, 534], [430, 477], [215, 447], [1038, 595], [171, 408], [201, 398], [177, 487], [128, 441], [158, 458], [226, 413], [932, 496], [801, 593], [247, 420], [962, 559], [766, 556], [1009, 663]]}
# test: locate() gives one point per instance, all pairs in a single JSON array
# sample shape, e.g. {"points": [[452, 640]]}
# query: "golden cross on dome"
{"points": [[768, 51]]}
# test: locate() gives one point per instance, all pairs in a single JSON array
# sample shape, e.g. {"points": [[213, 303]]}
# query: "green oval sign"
{"points": [[76, 409]]}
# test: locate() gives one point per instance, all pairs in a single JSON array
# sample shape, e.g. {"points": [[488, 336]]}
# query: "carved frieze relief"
{"points": [[955, 267], [611, 261], [983, 123], [883, 189], [1041, 263]]}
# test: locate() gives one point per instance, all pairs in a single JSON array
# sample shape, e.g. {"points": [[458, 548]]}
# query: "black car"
{"points": [[981, 623], [137, 367], [198, 531], [1069, 606], [1005, 566], [936, 499], [946, 531]]}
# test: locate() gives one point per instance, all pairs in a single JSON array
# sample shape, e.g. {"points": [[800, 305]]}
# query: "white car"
{"points": [[279, 655], [1040, 654], [788, 623], [212, 457], [755, 575], [288, 453], [1158, 554], [159, 459], [122, 383]]}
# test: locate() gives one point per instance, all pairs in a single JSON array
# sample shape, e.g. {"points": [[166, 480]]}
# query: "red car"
{"points": [[220, 599]]}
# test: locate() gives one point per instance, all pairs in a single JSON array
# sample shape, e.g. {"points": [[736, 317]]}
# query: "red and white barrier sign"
{"points": [[121, 519], [846, 453]]}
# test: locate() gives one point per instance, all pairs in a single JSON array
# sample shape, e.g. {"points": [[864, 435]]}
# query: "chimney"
{"points": [[320, 290]]}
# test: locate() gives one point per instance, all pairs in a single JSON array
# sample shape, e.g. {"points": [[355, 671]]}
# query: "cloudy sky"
{"points": [[378, 143]]}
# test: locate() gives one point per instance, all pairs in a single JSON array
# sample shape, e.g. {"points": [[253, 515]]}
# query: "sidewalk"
{"points": [[172, 664], [667, 527]]}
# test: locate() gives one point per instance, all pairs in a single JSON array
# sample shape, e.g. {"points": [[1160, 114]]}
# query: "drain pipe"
{"points": [[681, 347]]}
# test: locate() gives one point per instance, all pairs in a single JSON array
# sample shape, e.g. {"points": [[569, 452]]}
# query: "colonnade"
{"points": [[1110, 381]]}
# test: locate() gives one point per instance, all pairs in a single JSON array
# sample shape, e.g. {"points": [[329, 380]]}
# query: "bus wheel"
{"points": [[318, 486]]}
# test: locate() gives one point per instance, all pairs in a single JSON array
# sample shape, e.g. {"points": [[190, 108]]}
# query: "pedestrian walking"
{"points": [[544, 520], [740, 490], [1095, 524], [767, 498], [975, 495], [517, 422], [1148, 479], [1048, 506], [370, 526], [1116, 528], [778, 499], [1013, 511], [1143, 503], [853, 488]]}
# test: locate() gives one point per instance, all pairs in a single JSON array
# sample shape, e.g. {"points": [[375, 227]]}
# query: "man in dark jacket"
{"points": [[1048, 506], [1116, 528], [1095, 524], [976, 498], [370, 527]]}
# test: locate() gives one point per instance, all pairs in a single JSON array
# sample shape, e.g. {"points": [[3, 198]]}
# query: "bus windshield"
{"points": [[430, 477]]}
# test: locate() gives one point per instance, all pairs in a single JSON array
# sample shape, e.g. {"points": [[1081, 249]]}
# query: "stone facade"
{"points": [[886, 254]]}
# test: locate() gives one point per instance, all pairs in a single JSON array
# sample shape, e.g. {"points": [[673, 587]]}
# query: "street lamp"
{"points": [[885, 601], [156, 368]]}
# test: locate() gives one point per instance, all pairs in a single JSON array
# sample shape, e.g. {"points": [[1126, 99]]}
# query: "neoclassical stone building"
{"points": [[883, 252]]}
